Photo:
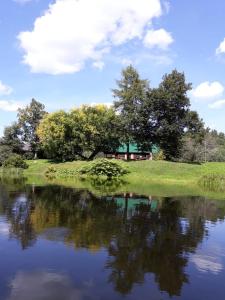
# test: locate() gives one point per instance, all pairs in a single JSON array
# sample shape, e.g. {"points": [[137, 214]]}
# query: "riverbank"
{"points": [[159, 178], [158, 171]]}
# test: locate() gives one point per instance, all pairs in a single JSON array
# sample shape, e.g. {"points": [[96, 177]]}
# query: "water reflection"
{"points": [[43, 285], [141, 235]]}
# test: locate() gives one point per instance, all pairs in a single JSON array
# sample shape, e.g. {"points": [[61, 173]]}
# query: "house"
{"points": [[131, 152]]}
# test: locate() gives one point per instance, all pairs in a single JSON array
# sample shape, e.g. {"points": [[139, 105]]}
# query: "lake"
{"points": [[59, 243]]}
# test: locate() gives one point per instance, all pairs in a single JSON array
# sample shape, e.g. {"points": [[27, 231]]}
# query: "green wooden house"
{"points": [[131, 152]]}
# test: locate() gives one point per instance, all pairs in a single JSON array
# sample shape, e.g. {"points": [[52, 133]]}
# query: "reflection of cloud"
{"points": [[210, 260], [207, 263], [43, 285]]}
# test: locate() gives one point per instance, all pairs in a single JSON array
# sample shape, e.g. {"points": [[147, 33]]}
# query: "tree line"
{"points": [[140, 114]]}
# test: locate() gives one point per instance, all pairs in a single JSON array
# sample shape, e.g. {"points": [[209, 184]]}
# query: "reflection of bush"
{"points": [[105, 185]]}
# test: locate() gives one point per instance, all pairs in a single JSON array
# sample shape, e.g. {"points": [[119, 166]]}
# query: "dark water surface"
{"points": [[58, 243]]}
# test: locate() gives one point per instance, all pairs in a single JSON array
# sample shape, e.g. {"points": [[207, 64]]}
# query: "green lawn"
{"points": [[143, 170], [159, 178]]}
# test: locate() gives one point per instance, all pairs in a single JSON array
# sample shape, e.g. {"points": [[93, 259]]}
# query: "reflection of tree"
{"points": [[155, 241]]}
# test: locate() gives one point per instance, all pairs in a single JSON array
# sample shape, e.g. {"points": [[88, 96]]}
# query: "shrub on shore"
{"points": [[104, 167], [15, 161]]}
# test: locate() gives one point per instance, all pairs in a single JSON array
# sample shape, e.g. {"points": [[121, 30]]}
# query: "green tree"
{"points": [[169, 107], [11, 138], [28, 121], [83, 132], [129, 97]]}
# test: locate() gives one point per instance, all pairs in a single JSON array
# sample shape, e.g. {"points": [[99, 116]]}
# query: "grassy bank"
{"points": [[146, 177], [147, 171]]}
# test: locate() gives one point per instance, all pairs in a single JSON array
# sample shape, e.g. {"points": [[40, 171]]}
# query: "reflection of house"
{"points": [[131, 152], [129, 203]]}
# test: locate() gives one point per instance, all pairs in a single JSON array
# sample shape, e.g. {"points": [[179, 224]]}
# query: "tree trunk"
{"points": [[128, 151], [94, 153]]}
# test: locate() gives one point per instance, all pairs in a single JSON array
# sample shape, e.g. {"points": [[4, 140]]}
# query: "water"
{"points": [[67, 244]]}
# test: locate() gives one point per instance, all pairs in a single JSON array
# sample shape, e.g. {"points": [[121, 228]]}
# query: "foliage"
{"points": [[81, 133], [28, 121], [5, 153], [169, 105], [11, 138], [67, 173], [130, 97], [213, 182], [159, 155], [159, 116], [104, 167], [209, 146], [15, 161], [50, 172]]}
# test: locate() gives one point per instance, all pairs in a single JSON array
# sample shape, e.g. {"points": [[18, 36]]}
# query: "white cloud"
{"points": [[207, 90], [221, 48], [217, 104], [5, 89], [73, 32], [158, 38], [98, 65], [7, 105]]}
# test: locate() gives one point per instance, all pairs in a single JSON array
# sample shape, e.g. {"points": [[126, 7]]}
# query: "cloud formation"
{"points": [[217, 104], [11, 106], [158, 38], [5, 89], [73, 32], [221, 48], [207, 90]]}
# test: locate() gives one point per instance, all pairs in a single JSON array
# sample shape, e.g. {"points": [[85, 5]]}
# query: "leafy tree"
{"points": [[28, 121], [209, 145], [83, 132], [129, 97], [5, 153], [11, 138], [55, 135], [169, 107]]}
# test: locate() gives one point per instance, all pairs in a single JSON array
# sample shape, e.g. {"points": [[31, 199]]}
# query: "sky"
{"points": [[65, 53]]}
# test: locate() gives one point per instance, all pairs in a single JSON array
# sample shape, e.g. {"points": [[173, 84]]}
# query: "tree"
{"points": [[11, 138], [208, 145], [130, 96], [28, 121], [169, 107], [55, 135], [83, 132]]}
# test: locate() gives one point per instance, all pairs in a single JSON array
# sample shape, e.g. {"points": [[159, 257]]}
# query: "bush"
{"points": [[50, 172], [104, 167], [15, 161]]}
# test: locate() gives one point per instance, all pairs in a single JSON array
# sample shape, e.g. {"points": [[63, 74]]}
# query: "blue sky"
{"points": [[65, 53]]}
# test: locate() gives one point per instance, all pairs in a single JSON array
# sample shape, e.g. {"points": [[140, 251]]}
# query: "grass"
{"points": [[159, 178], [143, 170]]}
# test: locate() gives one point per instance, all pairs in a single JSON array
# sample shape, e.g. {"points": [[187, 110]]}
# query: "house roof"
{"points": [[133, 148]]}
